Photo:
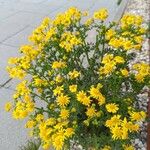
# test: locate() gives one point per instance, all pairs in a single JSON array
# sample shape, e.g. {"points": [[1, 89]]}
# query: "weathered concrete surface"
{"points": [[17, 20]]}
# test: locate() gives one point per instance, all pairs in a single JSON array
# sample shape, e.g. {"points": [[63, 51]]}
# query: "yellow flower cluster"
{"points": [[95, 93], [19, 65], [109, 34], [127, 39], [74, 74], [68, 41], [58, 64], [72, 15], [143, 70], [71, 89], [129, 19], [51, 131], [119, 128], [137, 116], [83, 98], [110, 61], [23, 109], [102, 14]]}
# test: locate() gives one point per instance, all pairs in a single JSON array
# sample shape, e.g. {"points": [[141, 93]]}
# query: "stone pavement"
{"points": [[17, 20]]}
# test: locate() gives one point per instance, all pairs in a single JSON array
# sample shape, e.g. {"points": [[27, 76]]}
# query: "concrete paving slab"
{"points": [[33, 1], [40, 8], [6, 13], [8, 29], [16, 23], [20, 38]]}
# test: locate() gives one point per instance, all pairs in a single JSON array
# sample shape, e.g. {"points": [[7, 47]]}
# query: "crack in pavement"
{"points": [[5, 83]]}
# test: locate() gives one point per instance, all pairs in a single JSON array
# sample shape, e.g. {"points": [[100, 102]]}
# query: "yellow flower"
{"points": [[101, 100], [82, 97], [89, 21], [94, 92], [58, 90], [115, 120], [63, 100], [107, 69], [119, 59], [106, 147], [124, 133], [127, 45], [142, 71], [30, 106], [137, 46], [126, 124], [116, 43], [131, 20], [74, 74], [13, 60], [39, 117], [64, 113], [46, 146], [8, 106], [73, 88], [19, 114], [58, 64], [59, 78], [124, 72], [50, 33], [30, 124], [91, 112], [134, 127], [137, 116], [101, 14], [50, 121], [16, 72], [116, 132], [46, 21], [68, 41], [69, 132], [110, 33], [107, 58], [112, 107], [58, 141], [128, 147]]}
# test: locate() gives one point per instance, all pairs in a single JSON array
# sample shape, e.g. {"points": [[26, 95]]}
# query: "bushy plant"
{"points": [[81, 91]]}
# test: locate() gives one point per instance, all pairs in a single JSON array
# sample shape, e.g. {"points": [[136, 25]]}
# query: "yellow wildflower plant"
{"points": [[73, 89]]}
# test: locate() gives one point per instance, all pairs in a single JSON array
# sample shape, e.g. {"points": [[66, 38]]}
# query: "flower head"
{"points": [[112, 107]]}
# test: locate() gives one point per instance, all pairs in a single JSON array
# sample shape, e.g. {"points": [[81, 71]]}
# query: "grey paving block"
{"points": [[5, 13], [8, 29], [16, 23], [33, 1], [20, 38]]}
